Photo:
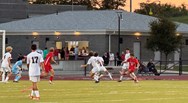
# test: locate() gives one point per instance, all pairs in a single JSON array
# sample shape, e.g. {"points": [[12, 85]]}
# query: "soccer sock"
{"points": [[51, 78], [110, 76], [37, 93], [3, 77], [17, 78], [6, 79], [96, 78], [32, 93], [121, 77]]}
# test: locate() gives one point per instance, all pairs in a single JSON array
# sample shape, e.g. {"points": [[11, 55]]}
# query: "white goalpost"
{"points": [[3, 41]]}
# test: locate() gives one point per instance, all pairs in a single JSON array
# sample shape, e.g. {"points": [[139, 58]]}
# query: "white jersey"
{"points": [[5, 58], [93, 61], [100, 60], [126, 65], [34, 59], [127, 56]]}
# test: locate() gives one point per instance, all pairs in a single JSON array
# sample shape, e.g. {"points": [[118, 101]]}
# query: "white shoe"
{"points": [[50, 82]]}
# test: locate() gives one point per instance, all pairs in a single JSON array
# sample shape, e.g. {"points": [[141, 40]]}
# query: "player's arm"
{"points": [[52, 59], [19, 68], [84, 66], [138, 65]]}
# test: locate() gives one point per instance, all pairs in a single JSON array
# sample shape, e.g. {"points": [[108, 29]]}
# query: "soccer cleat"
{"points": [[31, 97], [15, 81], [96, 81], [36, 98], [119, 80], [50, 82]]}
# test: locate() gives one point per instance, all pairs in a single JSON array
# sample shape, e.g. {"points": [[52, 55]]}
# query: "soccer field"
{"points": [[103, 92]]}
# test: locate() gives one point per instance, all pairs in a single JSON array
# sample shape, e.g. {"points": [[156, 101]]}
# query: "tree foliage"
{"points": [[162, 10], [91, 4], [163, 37]]}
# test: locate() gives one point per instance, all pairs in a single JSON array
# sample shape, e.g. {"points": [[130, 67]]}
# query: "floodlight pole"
{"points": [[119, 14], [3, 42]]}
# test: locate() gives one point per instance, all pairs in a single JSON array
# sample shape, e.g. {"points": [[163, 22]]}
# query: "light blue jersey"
{"points": [[15, 69]]}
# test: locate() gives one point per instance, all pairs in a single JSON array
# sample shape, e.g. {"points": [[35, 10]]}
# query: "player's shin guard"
{"points": [[96, 77]]}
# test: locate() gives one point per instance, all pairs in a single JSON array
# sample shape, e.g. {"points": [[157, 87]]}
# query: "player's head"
{"points": [[127, 50], [33, 47], [9, 49], [90, 53], [52, 49], [21, 58], [96, 54], [132, 55]]}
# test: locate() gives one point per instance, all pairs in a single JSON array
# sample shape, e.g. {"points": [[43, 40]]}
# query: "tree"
{"points": [[163, 37], [162, 10], [112, 4]]}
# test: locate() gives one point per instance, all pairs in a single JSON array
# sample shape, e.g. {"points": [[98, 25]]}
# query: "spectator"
{"points": [[62, 53], [118, 59], [151, 67], [45, 52], [142, 68], [106, 59], [56, 52], [111, 58], [76, 51], [66, 53], [72, 50], [122, 56]]}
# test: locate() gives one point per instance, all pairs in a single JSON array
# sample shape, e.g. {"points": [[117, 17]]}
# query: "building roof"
{"points": [[104, 20]]}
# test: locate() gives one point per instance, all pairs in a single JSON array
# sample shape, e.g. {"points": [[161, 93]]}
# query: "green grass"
{"points": [[104, 92], [182, 19]]}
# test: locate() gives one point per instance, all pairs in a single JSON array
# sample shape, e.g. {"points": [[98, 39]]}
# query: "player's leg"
{"points": [[134, 77], [107, 72], [35, 92], [122, 72], [94, 74], [18, 76], [52, 73], [9, 73]]}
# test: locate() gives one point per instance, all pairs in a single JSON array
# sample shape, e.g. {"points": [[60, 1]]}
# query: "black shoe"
{"points": [[96, 81], [119, 80], [15, 81]]}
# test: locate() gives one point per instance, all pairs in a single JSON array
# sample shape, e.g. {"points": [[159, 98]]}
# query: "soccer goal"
{"points": [[2, 43]]}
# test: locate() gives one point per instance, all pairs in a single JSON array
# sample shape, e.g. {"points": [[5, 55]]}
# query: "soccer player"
{"points": [[6, 64], [94, 73], [125, 64], [34, 62], [133, 65], [47, 64], [17, 68], [100, 61]]}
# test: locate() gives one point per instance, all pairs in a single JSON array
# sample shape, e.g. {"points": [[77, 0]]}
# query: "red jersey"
{"points": [[132, 63], [48, 58]]}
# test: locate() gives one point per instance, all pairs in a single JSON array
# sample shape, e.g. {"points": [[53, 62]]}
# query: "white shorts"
{"points": [[102, 68], [34, 78], [125, 66], [5, 69], [95, 70]]}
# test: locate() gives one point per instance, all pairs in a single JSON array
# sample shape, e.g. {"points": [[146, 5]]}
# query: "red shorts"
{"points": [[131, 70], [48, 68]]}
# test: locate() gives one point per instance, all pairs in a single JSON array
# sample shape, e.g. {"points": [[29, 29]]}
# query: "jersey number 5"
{"points": [[35, 59]]}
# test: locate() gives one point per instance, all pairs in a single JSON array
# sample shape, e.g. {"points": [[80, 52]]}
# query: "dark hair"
{"points": [[132, 54], [90, 53], [33, 47], [20, 58], [96, 54], [127, 49]]}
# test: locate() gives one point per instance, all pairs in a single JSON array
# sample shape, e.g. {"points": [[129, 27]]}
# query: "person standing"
{"points": [[76, 51], [34, 62], [45, 52], [6, 65]]}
